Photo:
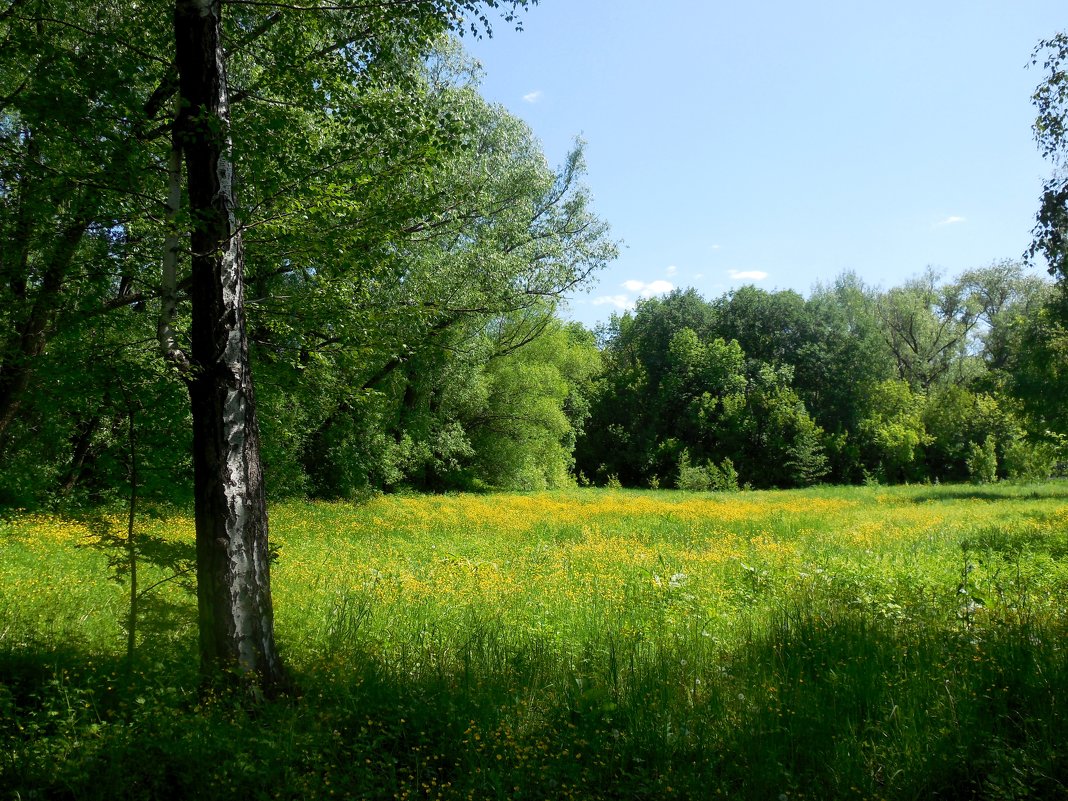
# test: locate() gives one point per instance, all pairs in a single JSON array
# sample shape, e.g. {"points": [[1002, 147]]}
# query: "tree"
{"points": [[956, 419], [1004, 297], [630, 432], [926, 325], [845, 340], [672, 401], [396, 338], [704, 379], [631, 429], [523, 435], [767, 432], [770, 326], [1050, 235], [81, 88], [1040, 371], [620, 439], [892, 434], [84, 156], [358, 182], [233, 555], [655, 323]]}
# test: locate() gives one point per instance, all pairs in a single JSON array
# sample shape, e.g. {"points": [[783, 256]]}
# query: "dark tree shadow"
{"points": [[825, 705], [991, 495]]}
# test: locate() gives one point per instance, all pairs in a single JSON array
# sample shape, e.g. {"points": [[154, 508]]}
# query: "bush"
{"points": [[706, 477], [1028, 461], [692, 478], [725, 477], [983, 461]]}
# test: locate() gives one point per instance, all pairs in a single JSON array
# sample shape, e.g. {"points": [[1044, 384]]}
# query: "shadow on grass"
{"points": [[992, 493], [821, 706], [175, 557], [1047, 539]]}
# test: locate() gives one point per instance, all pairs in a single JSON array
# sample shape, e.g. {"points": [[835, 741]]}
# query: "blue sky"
{"points": [[781, 143]]}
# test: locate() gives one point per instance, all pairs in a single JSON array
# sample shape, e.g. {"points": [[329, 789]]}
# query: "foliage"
{"points": [[702, 478], [983, 461], [1006, 298], [375, 183], [693, 478], [1027, 460], [892, 433], [1051, 132], [405, 389], [701, 395], [894, 385], [956, 419], [407, 245], [845, 339], [523, 437], [926, 325], [1040, 374]]}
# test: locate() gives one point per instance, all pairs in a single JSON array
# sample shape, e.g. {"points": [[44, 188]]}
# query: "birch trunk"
{"points": [[233, 566], [168, 341]]}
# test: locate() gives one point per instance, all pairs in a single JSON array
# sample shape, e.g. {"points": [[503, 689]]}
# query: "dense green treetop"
{"points": [[851, 383]]}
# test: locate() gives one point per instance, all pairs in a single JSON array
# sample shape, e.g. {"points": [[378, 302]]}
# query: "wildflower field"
{"points": [[898, 643]]}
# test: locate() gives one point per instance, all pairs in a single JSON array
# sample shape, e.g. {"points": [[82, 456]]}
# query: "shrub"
{"points": [[1028, 461], [983, 461], [692, 478], [725, 477], [706, 477]]}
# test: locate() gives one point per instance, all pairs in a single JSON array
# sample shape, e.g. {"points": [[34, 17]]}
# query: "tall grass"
{"points": [[830, 643]]}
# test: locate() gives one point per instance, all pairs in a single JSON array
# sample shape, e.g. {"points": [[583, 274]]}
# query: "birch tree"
{"points": [[233, 557], [233, 560], [89, 155]]}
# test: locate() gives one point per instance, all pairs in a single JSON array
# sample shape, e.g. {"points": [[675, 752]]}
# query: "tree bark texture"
{"points": [[233, 566]]}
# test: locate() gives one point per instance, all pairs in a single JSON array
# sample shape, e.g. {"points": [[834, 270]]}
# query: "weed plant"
{"points": [[897, 643]]}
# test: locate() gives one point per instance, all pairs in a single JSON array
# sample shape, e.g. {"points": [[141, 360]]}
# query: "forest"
{"points": [[929, 381]]}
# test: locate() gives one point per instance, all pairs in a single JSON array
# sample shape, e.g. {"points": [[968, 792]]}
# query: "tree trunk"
{"points": [[233, 566], [29, 342], [82, 445]]}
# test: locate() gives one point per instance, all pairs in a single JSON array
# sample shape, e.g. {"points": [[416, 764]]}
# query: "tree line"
{"points": [[929, 381]]}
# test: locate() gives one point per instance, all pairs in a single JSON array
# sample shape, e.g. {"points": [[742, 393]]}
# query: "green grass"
{"points": [[898, 643]]}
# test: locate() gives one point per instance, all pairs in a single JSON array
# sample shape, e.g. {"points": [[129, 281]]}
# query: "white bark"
{"points": [[168, 341]]}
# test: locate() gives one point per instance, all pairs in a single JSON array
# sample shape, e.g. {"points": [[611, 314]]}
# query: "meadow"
{"points": [[870, 642]]}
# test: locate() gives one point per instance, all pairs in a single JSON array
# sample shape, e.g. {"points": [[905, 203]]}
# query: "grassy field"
{"points": [[898, 643]]}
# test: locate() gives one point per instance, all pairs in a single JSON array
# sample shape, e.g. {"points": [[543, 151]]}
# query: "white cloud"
{"points": [[747, 275], [716, 247], [619, 301], [657, 288], [672, 269], [532, 97], [647, 290], [952, 221]]}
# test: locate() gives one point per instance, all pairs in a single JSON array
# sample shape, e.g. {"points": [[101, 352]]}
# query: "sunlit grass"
{"points": [[863, 642]]}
